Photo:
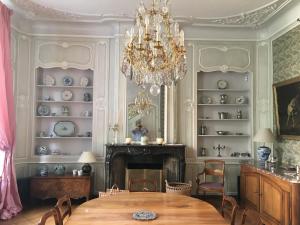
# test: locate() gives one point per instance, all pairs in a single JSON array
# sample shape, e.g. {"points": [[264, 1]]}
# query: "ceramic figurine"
{"points": [[65, 110], [87, 97]]}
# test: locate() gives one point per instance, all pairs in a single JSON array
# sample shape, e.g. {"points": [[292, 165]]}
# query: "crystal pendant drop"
{"points": [[155, 90]]}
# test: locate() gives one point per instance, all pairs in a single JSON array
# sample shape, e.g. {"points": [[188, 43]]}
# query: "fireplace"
{"points": [[145, 161]]}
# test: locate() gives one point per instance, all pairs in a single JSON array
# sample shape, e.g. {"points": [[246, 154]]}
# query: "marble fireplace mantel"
{"points": [[118, 156]]}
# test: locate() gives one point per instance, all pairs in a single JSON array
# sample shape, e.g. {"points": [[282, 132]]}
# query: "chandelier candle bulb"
{"points": [[182, 38], [146, 23]]}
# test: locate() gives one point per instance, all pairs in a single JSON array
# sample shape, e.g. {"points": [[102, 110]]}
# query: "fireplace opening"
{"points": [[144, 171], [153, 166]]}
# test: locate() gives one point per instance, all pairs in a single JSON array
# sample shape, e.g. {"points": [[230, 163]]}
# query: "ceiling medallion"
{"points": [[154, 51]]}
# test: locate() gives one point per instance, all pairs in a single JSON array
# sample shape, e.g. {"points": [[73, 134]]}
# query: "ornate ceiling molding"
{"points": [[253, 18]]}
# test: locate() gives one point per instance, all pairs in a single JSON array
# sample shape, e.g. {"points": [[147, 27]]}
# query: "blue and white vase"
{"points": [[263, 153]]}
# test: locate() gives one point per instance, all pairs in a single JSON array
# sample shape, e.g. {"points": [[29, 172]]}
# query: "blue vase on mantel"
{"points": [[263, 153]]}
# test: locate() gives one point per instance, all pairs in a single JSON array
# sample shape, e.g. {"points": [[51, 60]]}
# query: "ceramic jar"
{"points": [[59, 169]]}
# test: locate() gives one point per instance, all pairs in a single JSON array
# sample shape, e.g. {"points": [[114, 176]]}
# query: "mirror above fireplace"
{"points": [[145, 112]]}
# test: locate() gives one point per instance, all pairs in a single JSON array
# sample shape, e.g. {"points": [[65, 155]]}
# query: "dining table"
{"points": [[170, 209]]}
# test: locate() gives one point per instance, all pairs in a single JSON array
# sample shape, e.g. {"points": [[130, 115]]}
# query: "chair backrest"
{"points": [[49, 214], [251, 215], [214, 167], [148, 185], [227, 200], [64, 208]]}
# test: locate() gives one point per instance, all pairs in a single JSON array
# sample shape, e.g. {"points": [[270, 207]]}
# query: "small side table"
{"points": [[53, 186]]}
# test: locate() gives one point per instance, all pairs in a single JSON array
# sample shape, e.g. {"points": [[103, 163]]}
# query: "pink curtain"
{"points": [[10, 203]]}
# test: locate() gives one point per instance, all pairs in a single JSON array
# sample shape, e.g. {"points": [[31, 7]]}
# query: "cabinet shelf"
{"points": [[62, 86], [225, 157], [65, 117], [80, 102], [48, 138], [228, 135], [222, 119], [223, 90], [222, 104]]}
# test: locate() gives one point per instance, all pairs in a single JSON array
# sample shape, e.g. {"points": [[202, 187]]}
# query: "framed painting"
{"points": [[287, 108]]}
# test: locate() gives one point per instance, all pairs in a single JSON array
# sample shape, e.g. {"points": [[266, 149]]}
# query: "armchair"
{"points": [[213, 168]]}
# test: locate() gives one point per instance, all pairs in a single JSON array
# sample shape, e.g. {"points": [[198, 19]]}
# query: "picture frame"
{"points": [[287, 108]]}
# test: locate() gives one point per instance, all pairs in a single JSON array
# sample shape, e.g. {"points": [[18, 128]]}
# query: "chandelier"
{"points": [[143, 103], [154, 50]]}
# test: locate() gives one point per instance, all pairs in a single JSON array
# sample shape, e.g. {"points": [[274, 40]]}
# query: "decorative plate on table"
{"points": [[64, 129], [241, 100], [66, 95], [144, 215], [222, 84], [49, 80], [84, 81], [43, 110], [68, 81]]}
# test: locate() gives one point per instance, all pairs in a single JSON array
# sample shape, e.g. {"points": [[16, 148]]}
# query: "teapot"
{"points": [[223, 115], [223, 99], [59, 169]]}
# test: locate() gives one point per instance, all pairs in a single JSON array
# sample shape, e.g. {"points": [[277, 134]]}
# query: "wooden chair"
{"points": [[149, 185], [251, 217], [227, 200], [51, 213], [64, 208], [211, 168]]}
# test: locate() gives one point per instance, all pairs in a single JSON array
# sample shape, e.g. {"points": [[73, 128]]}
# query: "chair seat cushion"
{"points": [[211, 185]]}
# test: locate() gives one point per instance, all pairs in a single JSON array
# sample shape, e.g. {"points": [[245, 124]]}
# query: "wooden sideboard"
{"points": [[274, 195], [53, 186]]}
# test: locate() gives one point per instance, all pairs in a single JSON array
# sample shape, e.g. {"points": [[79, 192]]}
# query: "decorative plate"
{"points": [[49, 80], [66, 95], [241, 100], [84, 81], [64, 129], [42, 150], [68, 81], [205, 100], [43, 110], [222, 84], [144, 215]]}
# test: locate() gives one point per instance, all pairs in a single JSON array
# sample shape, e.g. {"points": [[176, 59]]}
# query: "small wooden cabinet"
{"points": [[56, 186], [273, 196]]}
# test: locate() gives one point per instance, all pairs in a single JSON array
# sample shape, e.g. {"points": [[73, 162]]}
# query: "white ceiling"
{"points": [[196, 12]]}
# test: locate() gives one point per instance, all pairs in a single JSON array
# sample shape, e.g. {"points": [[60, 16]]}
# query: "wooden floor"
{"points": [[32, 212]]}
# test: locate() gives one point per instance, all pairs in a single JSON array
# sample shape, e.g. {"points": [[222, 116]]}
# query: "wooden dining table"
{"points": [[171, 209]]}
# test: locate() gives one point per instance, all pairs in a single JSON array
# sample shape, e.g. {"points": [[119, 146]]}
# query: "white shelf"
{"points": [[225, 157], [61, 86], [65, 117], [228, 135], [224, 90], [223, 119], [64, 138], [80, 102], [222, 104]]}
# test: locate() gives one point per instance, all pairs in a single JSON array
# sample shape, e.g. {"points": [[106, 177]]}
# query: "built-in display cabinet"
{"points": [[224, 115], [64, 111]]}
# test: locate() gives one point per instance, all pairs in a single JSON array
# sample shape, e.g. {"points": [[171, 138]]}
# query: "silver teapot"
{"points": [[223, 99], [223, 115]]}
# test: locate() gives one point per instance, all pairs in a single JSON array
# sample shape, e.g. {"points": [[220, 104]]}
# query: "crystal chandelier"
{"points": [[154, 50]]}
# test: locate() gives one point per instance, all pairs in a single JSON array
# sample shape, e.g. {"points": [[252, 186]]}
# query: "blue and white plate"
{"points": [[68, 81], [144, 215]]}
